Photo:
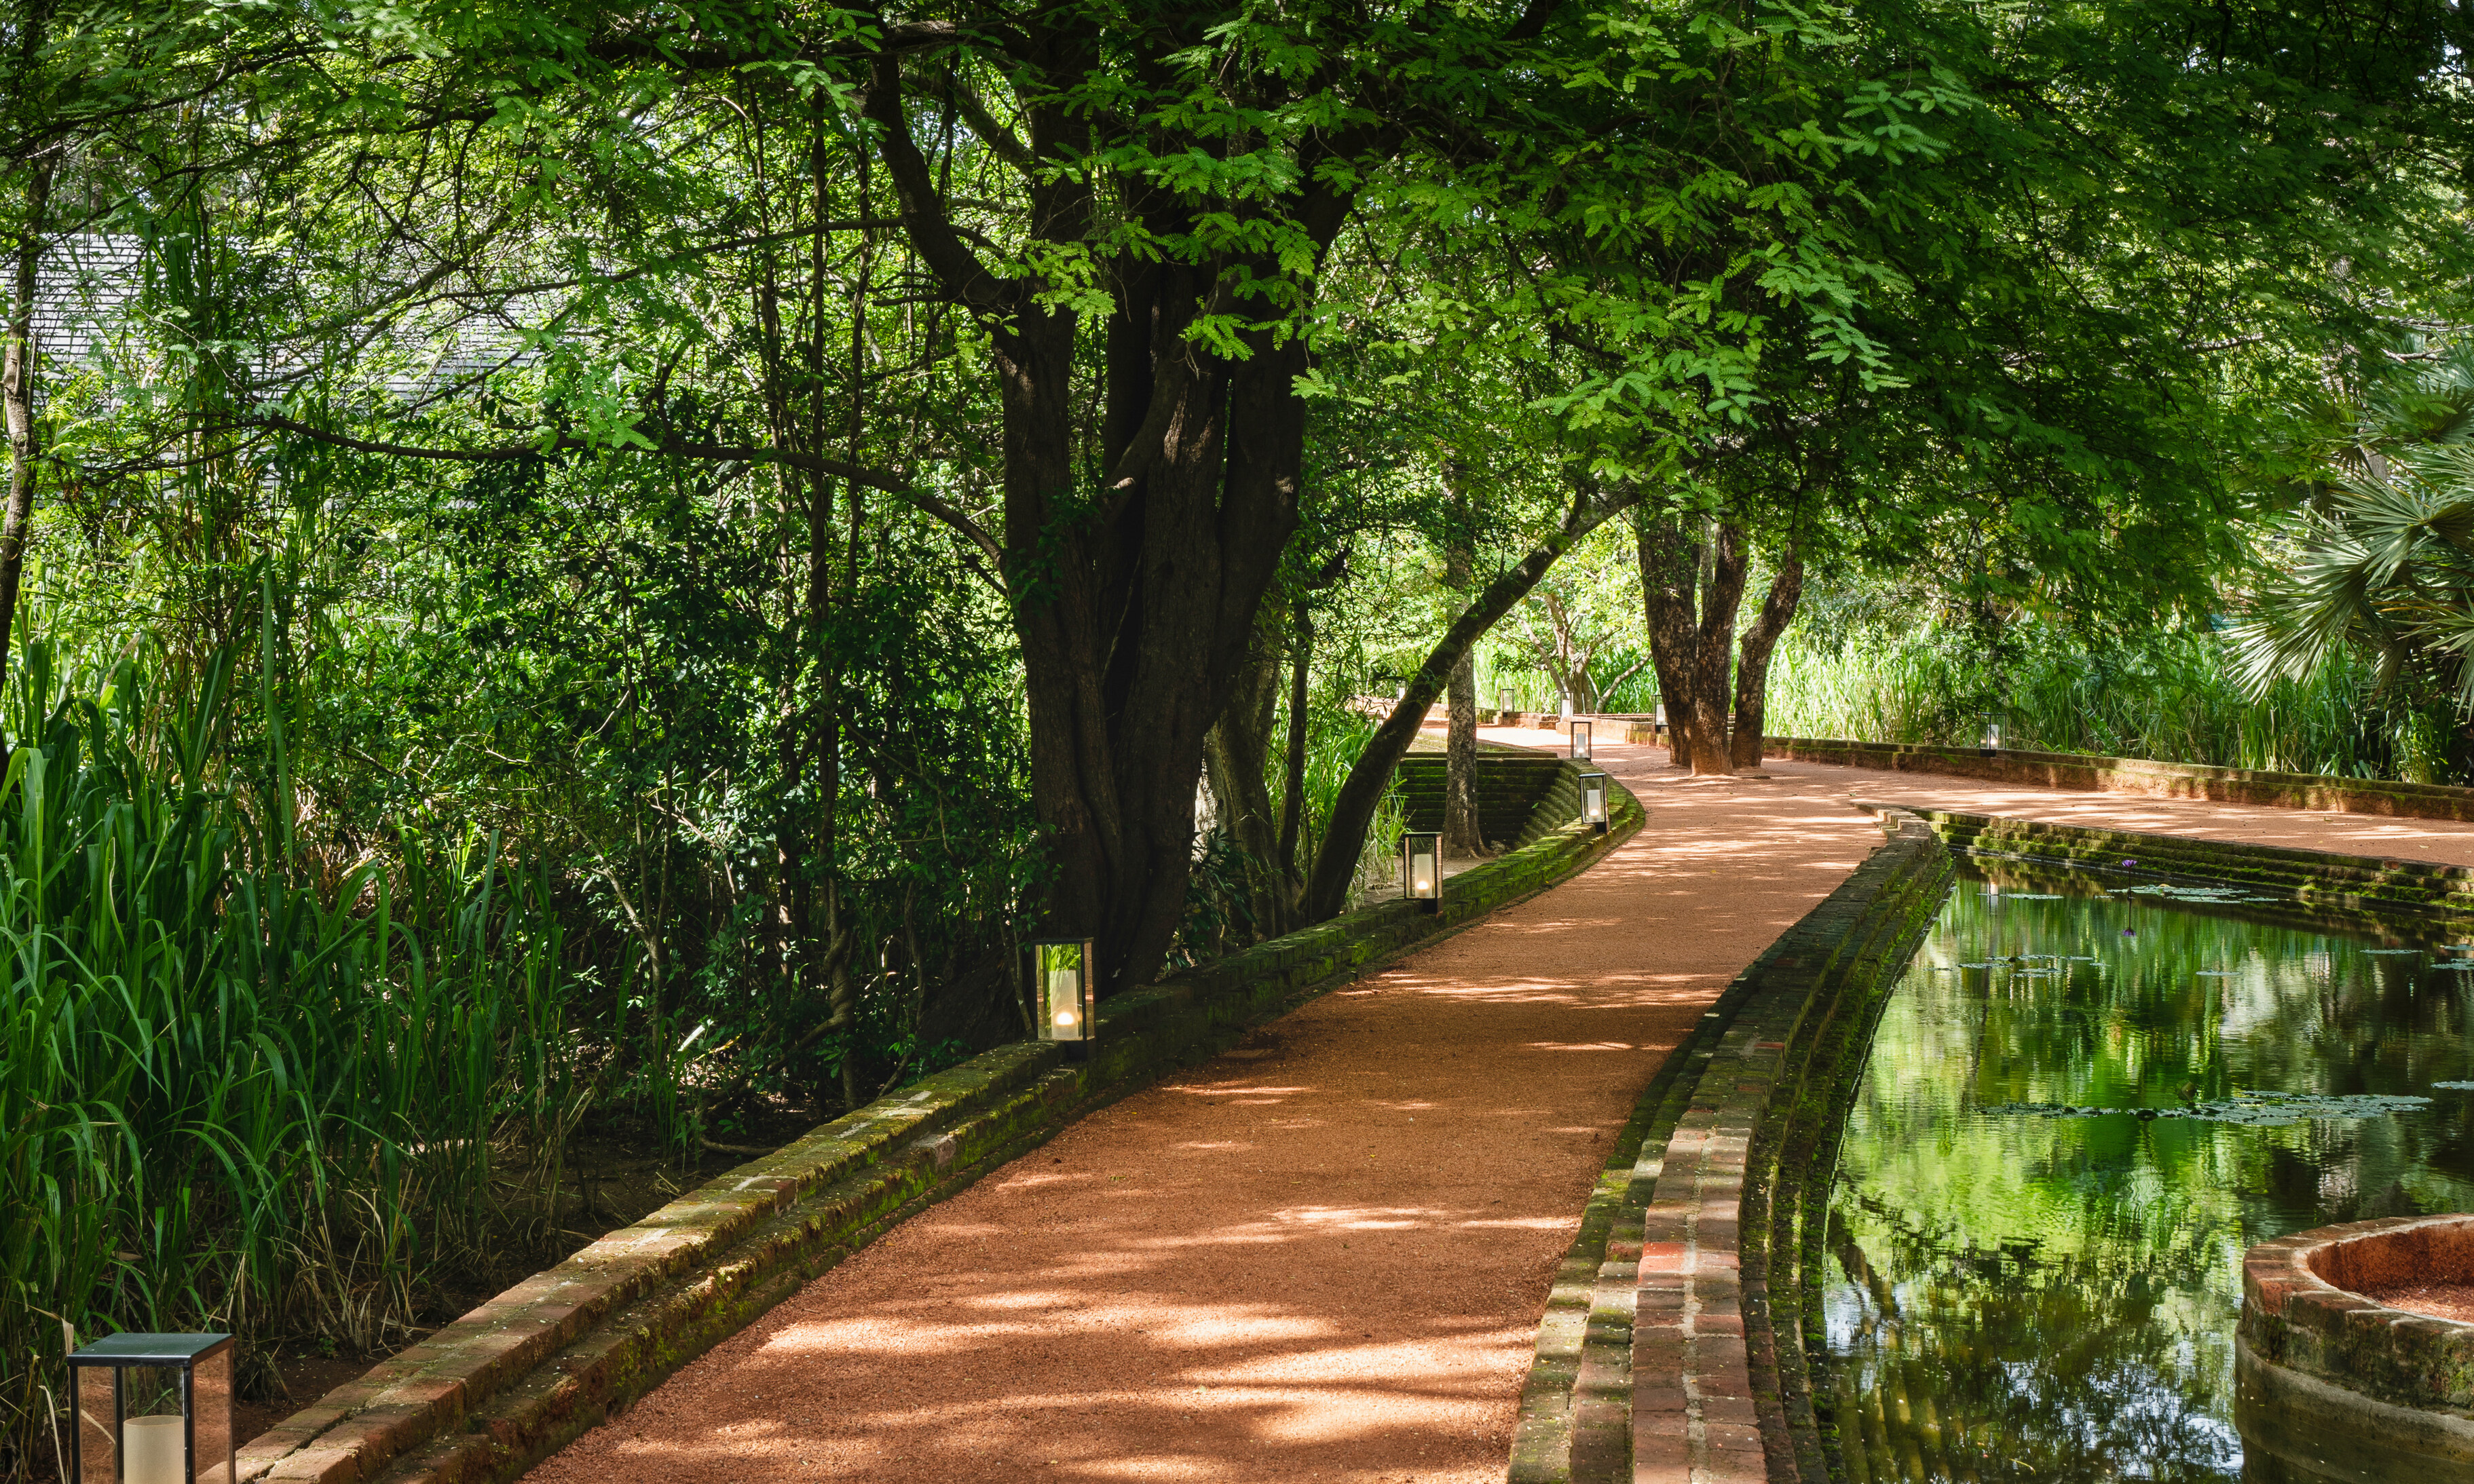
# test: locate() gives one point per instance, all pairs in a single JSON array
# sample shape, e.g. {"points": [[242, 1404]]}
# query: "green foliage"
{"points": [[2170, 694], [235, 1090], [2378, 565]]}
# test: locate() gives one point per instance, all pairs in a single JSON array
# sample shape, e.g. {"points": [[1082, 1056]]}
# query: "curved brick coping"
{"points": [[1675, 1342], [2354, 888], [508, 1384], [2321, 1366], [2141, 775]]}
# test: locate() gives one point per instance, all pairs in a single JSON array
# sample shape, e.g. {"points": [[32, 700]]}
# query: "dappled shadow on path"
{"points": [[1320, 1257]]}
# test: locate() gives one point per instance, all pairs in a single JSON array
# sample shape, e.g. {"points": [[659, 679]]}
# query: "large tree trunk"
{"points": [[1722, 593], [1761, 641], [1237, 754], [17, 371], [1670, 570], [1463, 829], [1335, 865], [1293, 775], [1134, 601]]}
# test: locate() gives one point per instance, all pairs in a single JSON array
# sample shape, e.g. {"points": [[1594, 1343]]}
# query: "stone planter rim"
{"points": [[2285, 1271]]}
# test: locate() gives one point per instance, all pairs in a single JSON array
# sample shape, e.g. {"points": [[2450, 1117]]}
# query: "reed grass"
{"points": [[234, 1095], [2168, 695]]}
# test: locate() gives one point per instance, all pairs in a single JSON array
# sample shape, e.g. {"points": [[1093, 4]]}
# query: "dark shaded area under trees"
{"points": [[674, 540]]}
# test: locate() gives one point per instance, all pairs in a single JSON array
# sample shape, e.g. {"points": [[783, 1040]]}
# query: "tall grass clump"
{"points": [[2169, 695], [238, 1089]]}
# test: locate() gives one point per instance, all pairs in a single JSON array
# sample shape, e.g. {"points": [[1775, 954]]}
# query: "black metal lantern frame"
{"points": [[1594, 802], [1063, 975], [1580, 741], [1991, 741], [1421, 869], [1503, 703], [152, 1409]]}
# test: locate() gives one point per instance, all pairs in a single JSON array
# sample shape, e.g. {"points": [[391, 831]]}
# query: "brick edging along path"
{"points": [[497, 1391], [1689, 1363]]}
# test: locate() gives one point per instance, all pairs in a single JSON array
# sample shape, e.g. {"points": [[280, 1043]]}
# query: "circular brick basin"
{"points": [[2336, 1385]]}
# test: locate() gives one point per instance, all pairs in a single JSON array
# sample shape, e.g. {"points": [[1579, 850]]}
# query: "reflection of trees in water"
{"points": [[1955, 1362], [2056, 1298]]}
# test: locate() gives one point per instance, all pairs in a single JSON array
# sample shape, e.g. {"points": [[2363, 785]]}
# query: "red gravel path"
{"points": [[1321, 1256]]}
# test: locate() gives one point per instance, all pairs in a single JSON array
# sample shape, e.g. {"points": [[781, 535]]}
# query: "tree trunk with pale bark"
{"points": [[1464, 829]]}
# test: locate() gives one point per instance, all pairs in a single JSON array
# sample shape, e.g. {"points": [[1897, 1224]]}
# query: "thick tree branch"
{"points": [[1335, 865], [923, 214]]}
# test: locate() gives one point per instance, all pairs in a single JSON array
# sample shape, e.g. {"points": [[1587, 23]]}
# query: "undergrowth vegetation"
{"points": [[238, 1089], [2171, 694]]}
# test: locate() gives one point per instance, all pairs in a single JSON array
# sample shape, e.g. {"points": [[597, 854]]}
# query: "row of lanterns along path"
{"points": [[1421, 852], [157, 1408]]}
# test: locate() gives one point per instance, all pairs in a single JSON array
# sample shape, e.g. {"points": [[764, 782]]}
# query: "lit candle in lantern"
{"points": [[155, 1451]]}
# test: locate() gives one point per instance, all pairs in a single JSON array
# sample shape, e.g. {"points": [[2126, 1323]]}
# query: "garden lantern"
{"points": [[1503, 702], [1991, 742], [1421, 869], [1594, 802], [1581, 741], [152, 1409], [1062, 969], [1564, 704]]}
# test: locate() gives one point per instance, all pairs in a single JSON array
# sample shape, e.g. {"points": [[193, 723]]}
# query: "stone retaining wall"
{"points": [[2139, 776], [1677, 1338], [2362, 890], [488, 1396]]}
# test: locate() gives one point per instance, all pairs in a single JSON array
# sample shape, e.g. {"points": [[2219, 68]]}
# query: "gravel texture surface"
{"points": [[2441, 1301], [1321, 1256]]}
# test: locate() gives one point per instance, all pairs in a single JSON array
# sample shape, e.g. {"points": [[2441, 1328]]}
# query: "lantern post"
{"points": [[1594, 802], [152, 1409], [1421, 869], [1063, 975]]}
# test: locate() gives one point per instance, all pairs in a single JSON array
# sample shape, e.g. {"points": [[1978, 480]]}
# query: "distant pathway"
{"points": [[1321, 1256], [2445, 842]]}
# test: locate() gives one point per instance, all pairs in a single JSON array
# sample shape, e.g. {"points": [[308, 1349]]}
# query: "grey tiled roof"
{"points": [[86, 284]]}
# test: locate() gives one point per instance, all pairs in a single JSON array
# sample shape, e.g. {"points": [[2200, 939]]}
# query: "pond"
{"points": [[2086, 1098]]}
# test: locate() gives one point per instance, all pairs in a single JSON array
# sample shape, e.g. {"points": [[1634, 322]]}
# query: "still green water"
{"points": [[2032, 1281]]}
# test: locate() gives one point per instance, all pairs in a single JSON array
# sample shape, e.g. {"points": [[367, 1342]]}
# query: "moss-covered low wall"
{"points": [[1677, 1337], [2141, 775], [494, 1393], [2365, 890]]}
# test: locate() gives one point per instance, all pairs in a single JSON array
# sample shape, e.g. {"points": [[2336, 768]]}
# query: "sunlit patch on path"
{"points": [[1322, 1256]]}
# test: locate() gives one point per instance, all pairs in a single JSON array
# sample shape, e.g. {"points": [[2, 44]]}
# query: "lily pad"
{"points": [[2268, 1109]]}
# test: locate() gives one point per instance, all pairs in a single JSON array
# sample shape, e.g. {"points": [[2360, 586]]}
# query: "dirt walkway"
{"points": [[1321, 1256]]}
